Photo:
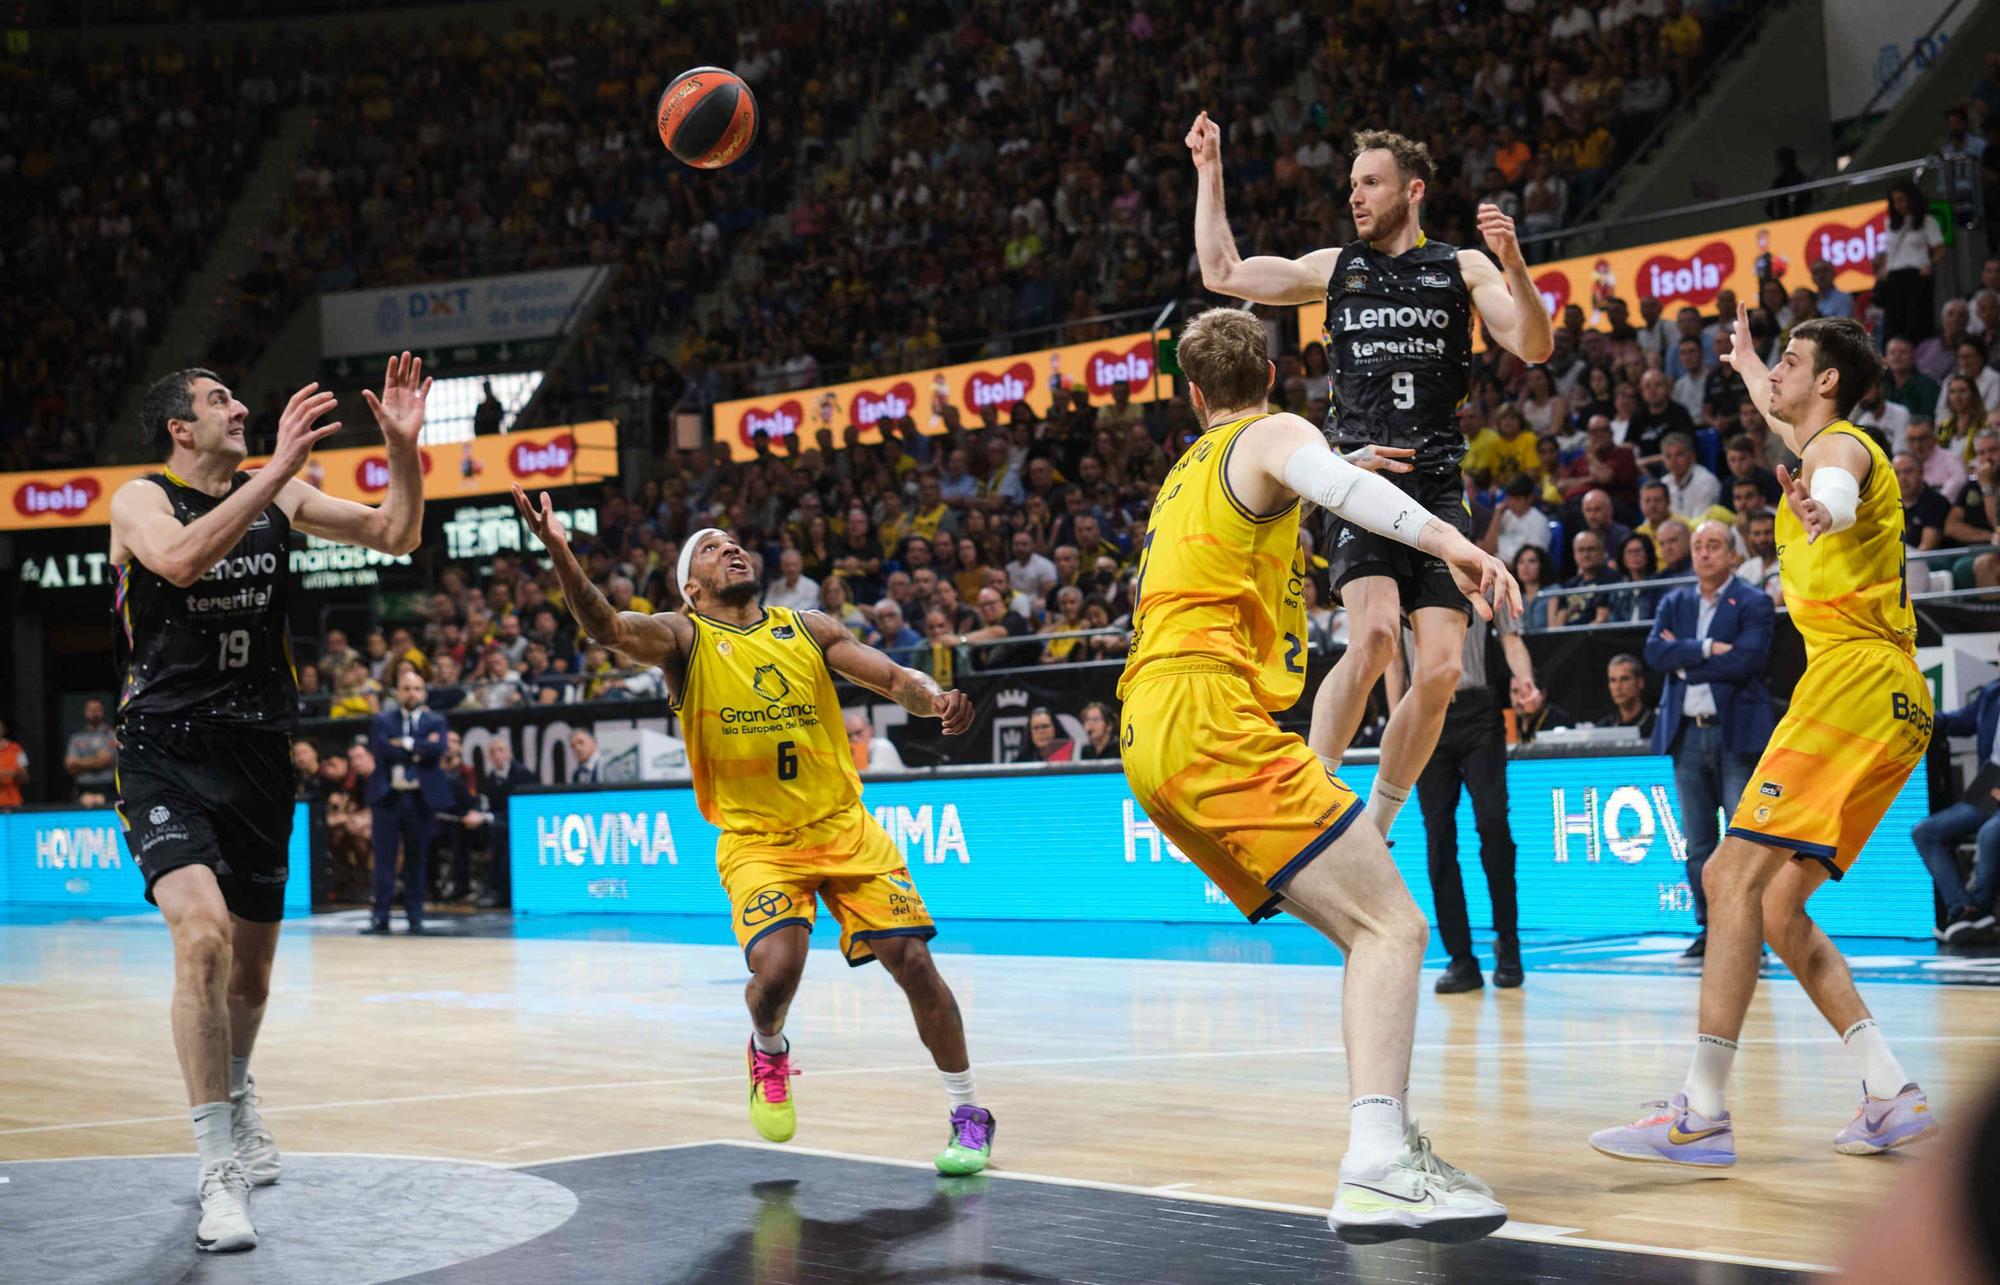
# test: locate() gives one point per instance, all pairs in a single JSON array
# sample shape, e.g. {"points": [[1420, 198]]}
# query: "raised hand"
{"points": [[296, 433], [1742, 355], [1204, 141], [1497, 230], [1811, 512], [400, 408], [543, 523], [954, 709], [1381, 459]]}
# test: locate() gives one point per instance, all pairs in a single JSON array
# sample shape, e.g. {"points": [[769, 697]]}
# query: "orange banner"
{"points": [[1693, 270], [921, 394], [51, 499]]}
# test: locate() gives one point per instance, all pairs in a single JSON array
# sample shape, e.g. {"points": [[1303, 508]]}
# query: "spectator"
{"points": [[1833, 301], [357, 695], [1626, 679], [997, 621], [1691, 488], [1740, 455], [871, 753], [1048, 746], [589, 764], [1598, 518], [1657, 418], [1544, 408], [1961, 411], [1592, 571], [495, 685], [306, 786], [1925, 510], [1913, 246], [1712, 641], [1517, 522], [403, 794], [1100, 734], [13, 769], [336, 656], [1030, 572], [350, 823], [1937, 355], [1532, 570], [1691, 389], [892, 635], [1760, 568], [834, 601], [501, 777], [1973, 520], [1676, 553], [464, 825], [1906, 385], [793, 589], [1875, 410], [1635, 565], [1604, 465], [447, 693], [1968, 912], [1941, 469], [1064, 623], [92, 757], [1534, 714]]}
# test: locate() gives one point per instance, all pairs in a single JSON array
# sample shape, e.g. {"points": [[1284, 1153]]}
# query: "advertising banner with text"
{"points": [[1693, 270], [1602, 850], [970, 387], [55, 499], [480, 311], [77, 857]]}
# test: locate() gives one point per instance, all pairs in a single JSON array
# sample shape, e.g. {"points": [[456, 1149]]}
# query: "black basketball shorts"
{"points": [[1421, 580], [221, 799]]}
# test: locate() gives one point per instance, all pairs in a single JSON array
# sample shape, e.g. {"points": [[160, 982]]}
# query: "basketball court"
{"points": [[562, 1098]]}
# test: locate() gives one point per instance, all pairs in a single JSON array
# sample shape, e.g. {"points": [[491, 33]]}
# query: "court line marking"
{"points": [[914, 1068]]}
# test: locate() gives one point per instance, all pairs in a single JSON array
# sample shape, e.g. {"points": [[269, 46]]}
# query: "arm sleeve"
{"points": [[1838, 490], [1317, 474]]}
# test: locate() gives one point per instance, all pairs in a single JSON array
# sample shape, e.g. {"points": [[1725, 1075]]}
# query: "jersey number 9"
{"points": [[1405, 385]]}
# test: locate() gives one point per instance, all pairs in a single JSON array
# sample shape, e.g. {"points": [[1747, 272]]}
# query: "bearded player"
{"points": [[1399, 356], [1859, 721], [767, 747], [206, 707], [1217, 644]]}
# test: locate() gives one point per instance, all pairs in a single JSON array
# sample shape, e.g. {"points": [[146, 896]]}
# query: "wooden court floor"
{"points": [[1210, 1078]]}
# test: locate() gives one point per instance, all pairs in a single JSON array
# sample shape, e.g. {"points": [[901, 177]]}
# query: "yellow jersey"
{"points": [[765, 741], [1847, 586], [1218, 582]]}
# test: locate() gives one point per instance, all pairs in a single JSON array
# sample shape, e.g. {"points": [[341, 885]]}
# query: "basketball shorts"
{"points": [[1421, 580], [847, 861], [215, 798], [1248, 803], [1859, 722]]}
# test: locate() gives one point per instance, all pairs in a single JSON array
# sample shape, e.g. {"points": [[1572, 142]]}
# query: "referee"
{"points": [[1472, 748]]}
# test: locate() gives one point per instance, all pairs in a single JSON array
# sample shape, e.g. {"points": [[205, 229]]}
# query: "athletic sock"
{"points": [[1385, 800], [769, 1043], [1708, 1077], [958, 1087], [1880, 1071], [239, 1074], [213, 1138], [1374, 1133]]}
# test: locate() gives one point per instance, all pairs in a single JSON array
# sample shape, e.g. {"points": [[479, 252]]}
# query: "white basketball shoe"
{"points": [[225, 1209], [256, 1150]]}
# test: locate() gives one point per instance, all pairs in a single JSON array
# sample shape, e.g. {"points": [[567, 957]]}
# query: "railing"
{"points": [[1857, 125]]}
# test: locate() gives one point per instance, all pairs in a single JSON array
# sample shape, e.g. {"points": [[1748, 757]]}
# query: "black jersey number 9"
{"points": [[235, 653], [1404, 383], [788, 760]]}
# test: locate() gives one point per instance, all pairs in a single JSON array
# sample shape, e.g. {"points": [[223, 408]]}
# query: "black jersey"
{"points": [[1399, 351], [218, 653]]}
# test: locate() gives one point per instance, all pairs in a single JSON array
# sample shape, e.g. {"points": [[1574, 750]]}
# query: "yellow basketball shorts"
{"points": [[1248, 803], [1859, 722], [846, 860]]}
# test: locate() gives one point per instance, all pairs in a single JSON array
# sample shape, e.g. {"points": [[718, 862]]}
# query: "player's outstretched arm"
{"points": [[1827, 490], [143, 524], [1506, 296], [661, 639], [397, 525], [1262, 278], [913, 689], [1749, 367]]}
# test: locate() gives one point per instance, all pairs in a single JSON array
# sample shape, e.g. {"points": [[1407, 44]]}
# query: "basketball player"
{"points": [[1399, 357], [206, 707], [1859, 721], [1218, 643], [768, 750]]}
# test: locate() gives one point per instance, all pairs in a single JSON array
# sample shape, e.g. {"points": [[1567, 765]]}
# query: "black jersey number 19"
{"points": [[235, 652]]}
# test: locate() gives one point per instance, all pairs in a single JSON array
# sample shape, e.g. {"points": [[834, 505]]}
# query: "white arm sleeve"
{"points": [[1836, 488], [1315, 473]]}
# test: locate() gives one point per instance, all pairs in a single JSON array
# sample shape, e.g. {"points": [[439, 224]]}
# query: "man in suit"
{"points": [[589, 768], [407, 789], [1711, 640], [503, 775]]}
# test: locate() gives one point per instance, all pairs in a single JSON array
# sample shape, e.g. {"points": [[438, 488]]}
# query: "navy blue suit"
{"points": [[1712, 763], [405, 815]]}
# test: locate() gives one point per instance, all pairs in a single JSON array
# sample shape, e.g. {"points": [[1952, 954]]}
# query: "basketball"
{"points": [[707, 117]]}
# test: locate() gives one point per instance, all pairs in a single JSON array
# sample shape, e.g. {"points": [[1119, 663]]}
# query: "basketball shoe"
{"points": [[971, 1142], [771, 1108], [1674, 1134], [1882, 1123], [256, 1150], [225, 1225], [1415, 1196]]}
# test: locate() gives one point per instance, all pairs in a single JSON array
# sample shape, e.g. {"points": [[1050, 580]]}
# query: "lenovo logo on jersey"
{"points": [[552, 457], [781, 421], [372, 473], [247, 564], [1004, 389], [1394, 318], [66, 500], [869, 405], [1105, 370], [1849, 248], [1553, 287], [1695, 280]]}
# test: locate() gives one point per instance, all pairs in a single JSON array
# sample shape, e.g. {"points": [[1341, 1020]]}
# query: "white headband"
{"points": [[687, 555]]}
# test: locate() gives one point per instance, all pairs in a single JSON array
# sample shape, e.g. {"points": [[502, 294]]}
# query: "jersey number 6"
{"points": [[788, 760]]}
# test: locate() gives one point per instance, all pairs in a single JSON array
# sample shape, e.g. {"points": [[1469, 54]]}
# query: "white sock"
{"points": [[213, 1139], [1880, 1071], [1385, 800], [239, 1074], [1708, 1078], [958, 1087], [1374, 1134], [769, 1043]]}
